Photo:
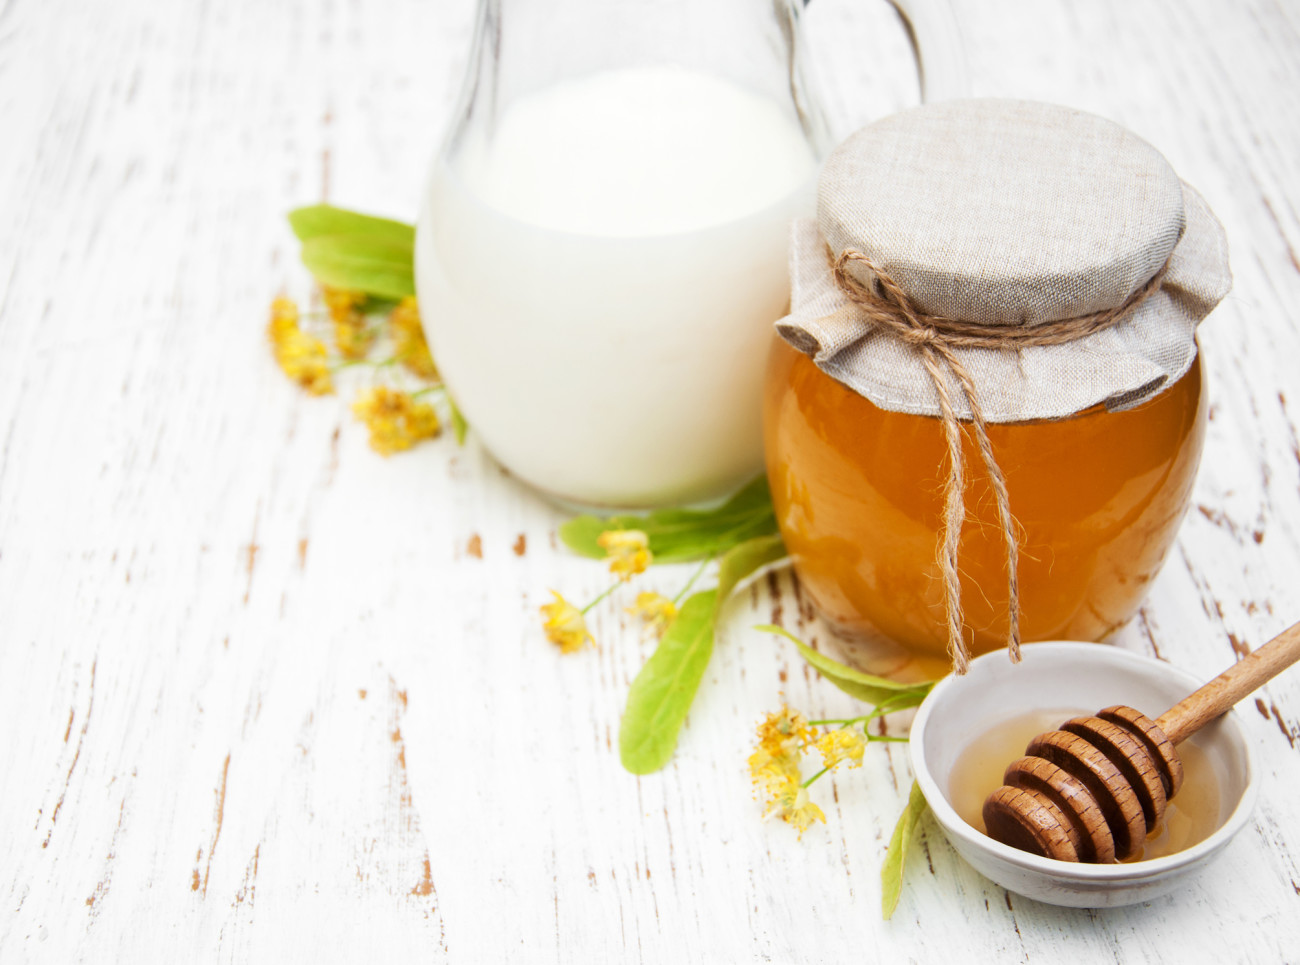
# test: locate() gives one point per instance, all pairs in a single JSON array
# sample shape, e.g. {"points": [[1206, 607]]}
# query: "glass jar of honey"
{"points": [[984, 415], [858, 492]]}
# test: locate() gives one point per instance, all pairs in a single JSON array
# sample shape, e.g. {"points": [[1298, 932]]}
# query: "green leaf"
{"points": [[864, 686], [684, 534], [581, 534], [323, 220], [360, 263], [662, 692], [891, 871], [458, 424], [745, 558]]}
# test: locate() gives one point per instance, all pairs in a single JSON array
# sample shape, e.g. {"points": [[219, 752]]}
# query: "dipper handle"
{"points": [[1244, 677]]}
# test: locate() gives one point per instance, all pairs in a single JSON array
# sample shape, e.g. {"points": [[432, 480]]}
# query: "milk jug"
{"points": [[608, 218]]}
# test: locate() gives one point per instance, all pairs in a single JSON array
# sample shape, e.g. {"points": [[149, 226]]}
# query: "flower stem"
{"points": [[611, 589], [844, 720], [691, 582], [814, 777], [350, 363]]}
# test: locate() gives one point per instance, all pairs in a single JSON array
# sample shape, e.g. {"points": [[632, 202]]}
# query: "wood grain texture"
{"points": [[265, 696]]}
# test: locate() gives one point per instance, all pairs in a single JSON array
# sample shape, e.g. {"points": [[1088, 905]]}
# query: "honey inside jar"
{"points": [[858, 492], [1190, 817]]}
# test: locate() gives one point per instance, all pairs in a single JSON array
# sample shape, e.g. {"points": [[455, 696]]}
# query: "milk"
{"points": [[598, 281]]}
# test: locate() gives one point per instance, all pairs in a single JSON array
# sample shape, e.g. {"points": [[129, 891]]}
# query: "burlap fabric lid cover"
{"points": [[1007, 213]]}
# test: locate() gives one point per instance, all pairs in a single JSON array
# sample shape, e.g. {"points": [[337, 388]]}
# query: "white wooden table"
{"points": [[260, 702]]}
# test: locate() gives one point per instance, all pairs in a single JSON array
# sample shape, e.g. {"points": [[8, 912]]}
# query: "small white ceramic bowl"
{"points": [[1060, 675]]}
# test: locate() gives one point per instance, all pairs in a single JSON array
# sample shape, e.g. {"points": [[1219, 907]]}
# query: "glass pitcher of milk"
{"points": [[602, 249]]}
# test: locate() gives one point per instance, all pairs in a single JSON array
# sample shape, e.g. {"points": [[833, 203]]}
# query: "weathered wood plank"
{"points": [[265, 696]]}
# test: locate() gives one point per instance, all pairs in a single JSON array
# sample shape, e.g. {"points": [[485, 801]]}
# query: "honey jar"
{"points": [[859, 496], [984, 415]]}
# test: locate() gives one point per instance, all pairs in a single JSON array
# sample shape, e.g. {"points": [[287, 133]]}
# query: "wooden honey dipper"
{"points": [[1092, 790]]}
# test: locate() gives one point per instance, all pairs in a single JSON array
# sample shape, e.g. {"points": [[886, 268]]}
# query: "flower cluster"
{"points": [[783, 738], [395, 418], [303, 357], [409, 345], [352, 335], [655, 609], [565, 626], [627, 551]]}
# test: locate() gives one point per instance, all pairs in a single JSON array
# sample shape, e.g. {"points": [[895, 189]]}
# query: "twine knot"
{"points": [[937, 337]]}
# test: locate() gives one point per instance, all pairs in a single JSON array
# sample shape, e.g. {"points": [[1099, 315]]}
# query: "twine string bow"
{"points": [[936, 338]]}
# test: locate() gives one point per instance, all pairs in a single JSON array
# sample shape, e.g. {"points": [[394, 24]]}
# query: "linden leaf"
{"points": [[322, 220], [360, 263], [684, 534], [891, 871], [662, 692], [874, 690], [745, 558]]}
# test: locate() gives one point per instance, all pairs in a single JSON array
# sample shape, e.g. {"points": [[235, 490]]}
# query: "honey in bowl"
{"points": [[858, 492], [1190, 817]]}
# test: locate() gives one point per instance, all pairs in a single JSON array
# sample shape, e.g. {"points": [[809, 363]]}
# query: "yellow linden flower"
{"points": [[774, 776], [302, 357], [408, 339], [656, 610], [774, 767], [846, 744], [792, 804], [565, 626], [785, 733], [352, 338], [342, 301], [396, 420], [802, 812], [351, 335], [627, 550], [284, 316]]}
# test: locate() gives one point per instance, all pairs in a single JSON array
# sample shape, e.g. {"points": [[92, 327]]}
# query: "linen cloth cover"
{"points": [[1007, 213]]}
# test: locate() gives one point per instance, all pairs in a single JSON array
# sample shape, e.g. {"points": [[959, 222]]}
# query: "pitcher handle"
{"points": [[936, 41]]}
